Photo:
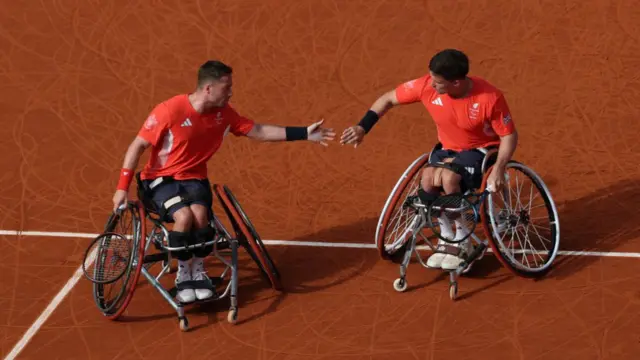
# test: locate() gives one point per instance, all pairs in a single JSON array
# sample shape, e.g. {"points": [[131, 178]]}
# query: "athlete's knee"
{"points": [[183, 219], [200, 215], [431, 178], [451, 181]]}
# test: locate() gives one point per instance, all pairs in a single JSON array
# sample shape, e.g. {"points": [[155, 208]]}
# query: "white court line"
{"points": [[66, 289], [55, 302], [315, 243]]}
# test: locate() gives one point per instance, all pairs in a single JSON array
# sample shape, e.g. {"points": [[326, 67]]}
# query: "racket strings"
{"points": [[452, 217], [114, 257]]}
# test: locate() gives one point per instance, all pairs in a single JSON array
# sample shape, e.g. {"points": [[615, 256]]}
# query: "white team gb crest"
{"points": [[151, 122]]}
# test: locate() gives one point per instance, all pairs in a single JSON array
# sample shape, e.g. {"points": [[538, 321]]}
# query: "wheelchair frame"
{"points": [[159, 235], [406, 248]]}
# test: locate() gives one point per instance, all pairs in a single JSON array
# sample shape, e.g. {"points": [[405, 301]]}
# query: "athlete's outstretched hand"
{"points": [[319, 134], [353, 135]]}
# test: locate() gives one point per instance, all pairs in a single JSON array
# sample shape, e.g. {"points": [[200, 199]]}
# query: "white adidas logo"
{"points": [[186, 123], [437, 101]]}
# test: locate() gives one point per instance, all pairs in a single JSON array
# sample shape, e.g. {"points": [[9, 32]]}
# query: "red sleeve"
{"points": [[501, 120], [240, 125], [155, 125], [411, 91]]}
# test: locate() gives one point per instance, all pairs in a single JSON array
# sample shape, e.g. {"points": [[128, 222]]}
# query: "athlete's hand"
{"points": [[119, 198], [495, 181], [353, 135], [319, 134]]}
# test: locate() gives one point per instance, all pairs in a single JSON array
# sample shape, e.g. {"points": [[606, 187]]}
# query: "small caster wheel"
{"points": [[232, 317], [453, 291], [400, 285], [184, 324]]}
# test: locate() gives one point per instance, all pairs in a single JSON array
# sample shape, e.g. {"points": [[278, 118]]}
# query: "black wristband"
{"points": [[296, 133], [368, 120]]}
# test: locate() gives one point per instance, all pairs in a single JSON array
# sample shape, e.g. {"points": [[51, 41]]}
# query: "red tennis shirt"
{"points": [[477, 120], [183, 140]]}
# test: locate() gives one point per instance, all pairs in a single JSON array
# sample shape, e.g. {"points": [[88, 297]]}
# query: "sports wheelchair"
{"points": [[509, 218], [116, 258]]}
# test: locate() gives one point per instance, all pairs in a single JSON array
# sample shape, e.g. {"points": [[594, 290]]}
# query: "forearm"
{"points": [[383, 104], [266, 132], [269, 133], [132, 156], [506, 150]]}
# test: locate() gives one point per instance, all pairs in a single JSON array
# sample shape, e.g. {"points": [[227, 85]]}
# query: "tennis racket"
{"points": [[455, 214]]}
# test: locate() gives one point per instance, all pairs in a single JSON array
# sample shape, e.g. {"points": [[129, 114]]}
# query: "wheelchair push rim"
{"points": [[248, 236], [114, 308], [512, 218], [395, 222]]}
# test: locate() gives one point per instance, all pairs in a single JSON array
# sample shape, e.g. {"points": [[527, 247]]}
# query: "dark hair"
{"points": [[212, 70], [451, 64]]}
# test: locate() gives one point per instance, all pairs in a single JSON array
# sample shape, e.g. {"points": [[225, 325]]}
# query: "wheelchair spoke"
{"points": [[534, 226], [533, 250], [524, 253]]}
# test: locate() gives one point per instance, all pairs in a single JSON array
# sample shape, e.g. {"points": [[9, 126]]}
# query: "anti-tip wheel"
{"points": [[184, 324], [400, 285], [453, 291], [232, 316]]}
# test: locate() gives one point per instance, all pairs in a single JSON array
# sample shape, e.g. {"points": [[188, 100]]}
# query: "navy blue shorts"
{"points": [[194, 192], [470, 160]]}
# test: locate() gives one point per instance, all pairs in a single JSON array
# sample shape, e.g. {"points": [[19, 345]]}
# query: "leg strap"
{"points": [[203, 235], [183, 197], [178, 239], [426, 198]]}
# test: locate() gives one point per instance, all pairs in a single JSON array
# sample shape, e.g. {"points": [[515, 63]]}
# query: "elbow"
{"points": [[138, 146], [256, 133], [385, 102]]}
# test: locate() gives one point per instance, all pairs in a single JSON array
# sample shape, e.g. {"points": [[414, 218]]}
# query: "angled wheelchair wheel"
{"points": [[127, 224], [521, 222], [248, 236], [396, 221]]}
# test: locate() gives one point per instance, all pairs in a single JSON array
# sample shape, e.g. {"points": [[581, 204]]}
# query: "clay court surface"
{"points": [[78, 78]]}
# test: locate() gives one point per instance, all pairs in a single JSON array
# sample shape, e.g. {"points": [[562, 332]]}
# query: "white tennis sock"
{"points": [[198, 264], [445, 227], [461, 229]]}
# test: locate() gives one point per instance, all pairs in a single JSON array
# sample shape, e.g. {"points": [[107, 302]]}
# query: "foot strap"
{"points": [[209, 283], [452, 250]]}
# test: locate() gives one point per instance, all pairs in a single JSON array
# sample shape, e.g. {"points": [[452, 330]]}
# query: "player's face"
{"points": [[219, 92], [441, 85]]}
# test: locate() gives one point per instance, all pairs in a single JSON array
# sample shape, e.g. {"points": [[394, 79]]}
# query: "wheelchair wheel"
{"points": [[396, 221], [112, 299], [522, 222], [248, 236]]}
